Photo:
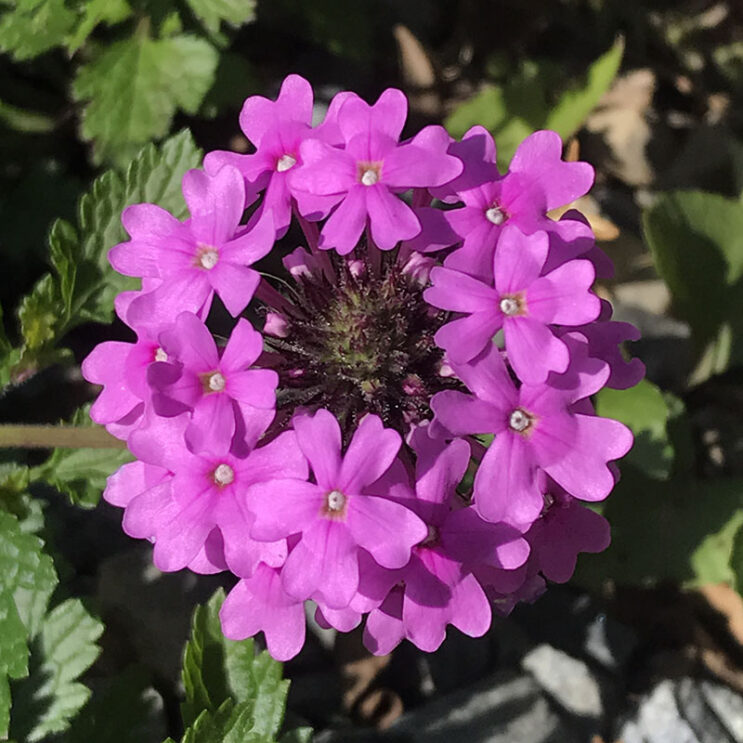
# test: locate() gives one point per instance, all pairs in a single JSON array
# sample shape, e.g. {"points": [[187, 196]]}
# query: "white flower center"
{"points": [[336, 500], [549, 499], [285, 162], [509, 306], [208, 258], [216, 382], [495, 215], [160, 355], [519, 420], [369, 177], [223, 474]]}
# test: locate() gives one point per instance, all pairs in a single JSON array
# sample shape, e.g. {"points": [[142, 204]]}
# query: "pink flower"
{"points": [[177, 499], [534, 429], [365, 175], [335, 516], [277, 129], [522, 302], [537, 181], [194, 259], [224, 395]]}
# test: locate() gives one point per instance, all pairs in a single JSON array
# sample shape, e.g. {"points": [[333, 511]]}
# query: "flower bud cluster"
{"points": [[409, 441]]}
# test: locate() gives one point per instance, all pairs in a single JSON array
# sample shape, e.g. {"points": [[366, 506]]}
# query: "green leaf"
{"points": [[81, 473], [216, 669], [512, 111], [46, 701], [231, 723], [29, 122], [697, 243], [212, 13], [298, 735], [126, 710], [680, 530], [644, 409], [94, 12], [31, 27], [84, 285], [27, 579], [574, 105], [135, 86]]}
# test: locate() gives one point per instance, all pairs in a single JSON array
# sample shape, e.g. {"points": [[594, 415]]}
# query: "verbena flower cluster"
{"points": [[409, 439]]}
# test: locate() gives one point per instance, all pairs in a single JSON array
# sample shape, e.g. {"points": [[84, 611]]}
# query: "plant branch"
{"points": [[50, 437]]}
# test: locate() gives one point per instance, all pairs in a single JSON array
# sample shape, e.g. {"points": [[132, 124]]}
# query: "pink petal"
{"points": [[255, 387], [130, 480], [562, 297], [465, 338], [243, 348], [533, 349], [188, 291], [387, 115], [325, 170], [539, 158], [456, 291], [251, 245], [384, 628], [583, 471], [488, 377], [191, 343], [385, 528], [212, 424], [345, 225], [369, 455], [234, 284], [462, 414], [505, 484], [319, 438], [216, 203], [283, 507], [470, 608], [518, 259], [391, 219], [324, 562]]}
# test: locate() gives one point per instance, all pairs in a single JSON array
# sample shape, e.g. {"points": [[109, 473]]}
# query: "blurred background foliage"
{"points": [[92, 93]]}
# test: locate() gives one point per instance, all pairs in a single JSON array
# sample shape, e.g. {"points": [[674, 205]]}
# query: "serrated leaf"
{"points": [[574, 105], [85, 284], [94, 12], [644, 409], [135, 86], [696, 239], [31, 27], [126, 710], [212, 13], [27, 579], [45, 702], [231, 723], [216, 669], [81, 473]]}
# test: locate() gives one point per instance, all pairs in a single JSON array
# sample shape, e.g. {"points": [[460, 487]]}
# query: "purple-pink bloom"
{"points": [[207, 253], [535, 429], [194, 494], [277, 128], [522, 301], [366, 175], [437, 587], [565, 528], [538, 180], [223, 393], [335, 516]]}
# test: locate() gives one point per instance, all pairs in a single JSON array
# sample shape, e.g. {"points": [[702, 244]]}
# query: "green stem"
{"points": [[51, 437]]}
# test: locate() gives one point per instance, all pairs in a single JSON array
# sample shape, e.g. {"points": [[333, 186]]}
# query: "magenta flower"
{"points": [[365, 175], [335, 516], [535, 430], [224, 395], [537, 181], [303, 459], [565, 528], [194, 259], [522, 302], [277, 129], [187, 496]]}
